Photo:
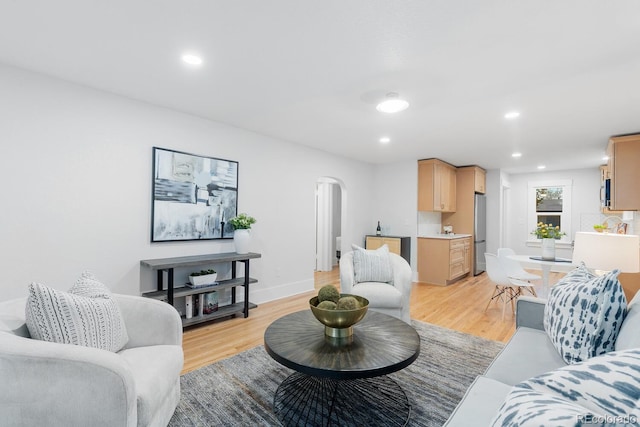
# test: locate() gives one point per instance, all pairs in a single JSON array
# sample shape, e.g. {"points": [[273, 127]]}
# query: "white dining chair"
{"points": [[507, 289], [515, 270]]}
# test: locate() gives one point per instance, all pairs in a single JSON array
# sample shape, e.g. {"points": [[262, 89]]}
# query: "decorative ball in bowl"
{"points": [[338, 319]]}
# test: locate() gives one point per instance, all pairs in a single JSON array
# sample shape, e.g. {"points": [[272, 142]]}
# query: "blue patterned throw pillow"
{"points": [[372, 265], [602, 391], [579, 274], [583, 318]]}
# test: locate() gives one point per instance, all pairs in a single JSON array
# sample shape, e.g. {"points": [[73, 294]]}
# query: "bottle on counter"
{"points": [[378, 230]]}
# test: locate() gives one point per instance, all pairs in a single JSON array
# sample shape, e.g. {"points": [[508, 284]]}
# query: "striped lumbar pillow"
{"points": [[86, 316], [372, 265]]}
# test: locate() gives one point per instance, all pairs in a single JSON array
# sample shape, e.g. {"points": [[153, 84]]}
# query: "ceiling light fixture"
{"points": [[516, 155], [385, 140], [192, 59], [512, 115], [392, 104], [541, 167], [605, 158]]}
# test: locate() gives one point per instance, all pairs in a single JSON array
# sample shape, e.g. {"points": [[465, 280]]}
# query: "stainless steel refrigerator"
{"points": [[479, 233]]}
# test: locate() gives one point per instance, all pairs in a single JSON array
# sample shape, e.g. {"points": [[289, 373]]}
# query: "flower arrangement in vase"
{"points": [[549, 234], [241, 236]]}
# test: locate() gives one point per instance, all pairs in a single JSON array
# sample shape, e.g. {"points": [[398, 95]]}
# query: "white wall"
{"points": [[585, 205], [395, 193], [76, 174]]}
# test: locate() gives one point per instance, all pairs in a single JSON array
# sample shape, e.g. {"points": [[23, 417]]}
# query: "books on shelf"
{"points": [[210, 300], [204, 285], [201, 304]]}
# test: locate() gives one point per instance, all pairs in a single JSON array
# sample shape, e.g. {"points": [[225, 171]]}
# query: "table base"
{"points": [[303, 400]]}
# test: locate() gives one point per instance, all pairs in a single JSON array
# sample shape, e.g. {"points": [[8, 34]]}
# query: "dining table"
{"points": [[558, 264]]}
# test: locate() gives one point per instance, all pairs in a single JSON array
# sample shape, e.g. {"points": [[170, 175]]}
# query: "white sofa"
{"points": [[528, 354], [49, 384]]}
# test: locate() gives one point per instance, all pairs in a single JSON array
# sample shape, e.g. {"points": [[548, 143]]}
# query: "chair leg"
{"points": [[532, 289], [497, 291], [504, 304]]}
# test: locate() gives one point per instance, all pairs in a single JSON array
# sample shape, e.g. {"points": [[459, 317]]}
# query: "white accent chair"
{"points": [[392, 299], [50, 384], [506, 289], [515, 270]]}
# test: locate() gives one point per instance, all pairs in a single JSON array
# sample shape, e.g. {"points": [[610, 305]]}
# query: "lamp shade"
{"points": [[606, 251]]}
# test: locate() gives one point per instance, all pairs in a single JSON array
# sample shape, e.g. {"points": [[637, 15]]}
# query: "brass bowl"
{"points": [[339, 323]]}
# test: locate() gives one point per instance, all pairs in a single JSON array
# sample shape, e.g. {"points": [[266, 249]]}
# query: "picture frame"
{"points": [[192, 196]]}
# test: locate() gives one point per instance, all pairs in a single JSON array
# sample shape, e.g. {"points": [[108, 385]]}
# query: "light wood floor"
{"points": [[459, 306]]}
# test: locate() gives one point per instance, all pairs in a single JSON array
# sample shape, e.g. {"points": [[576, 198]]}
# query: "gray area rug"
{"points": [[239, 391]]}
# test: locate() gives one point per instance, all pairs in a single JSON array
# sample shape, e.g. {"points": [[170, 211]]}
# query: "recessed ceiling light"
{"points": [[516, 155], [392, 104], [192, 59], [541, 167], [605, 158], [385, 140], [512, 115]]}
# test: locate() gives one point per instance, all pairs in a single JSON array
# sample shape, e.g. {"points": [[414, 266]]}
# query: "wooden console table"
{"points": [[165, 266]]}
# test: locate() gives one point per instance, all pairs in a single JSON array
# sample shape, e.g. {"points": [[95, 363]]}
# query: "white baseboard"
{"points": [[259, 295]]}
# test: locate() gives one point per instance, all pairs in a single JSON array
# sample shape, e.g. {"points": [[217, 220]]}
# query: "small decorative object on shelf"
{"points": [[242, 235], [210, 302], [378, 230], [203, 278], [600, 228], [549, 234]]}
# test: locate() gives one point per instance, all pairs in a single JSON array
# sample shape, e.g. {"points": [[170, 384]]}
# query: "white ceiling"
{"points": [[311, 72]]}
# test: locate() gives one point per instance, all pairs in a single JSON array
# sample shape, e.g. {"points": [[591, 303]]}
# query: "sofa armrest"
{"points": [[402, 277], [530, 312], [347, 275], [46, 383], [149, 322]]}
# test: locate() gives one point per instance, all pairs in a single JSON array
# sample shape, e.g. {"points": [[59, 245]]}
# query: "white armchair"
{"points": [[45, 383], [392, 299]]}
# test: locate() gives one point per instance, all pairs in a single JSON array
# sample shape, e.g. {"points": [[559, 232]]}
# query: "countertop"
{"points": [[444, 236]]}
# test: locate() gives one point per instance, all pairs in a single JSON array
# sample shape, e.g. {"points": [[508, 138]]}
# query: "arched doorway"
{"points": [[330, 209]]}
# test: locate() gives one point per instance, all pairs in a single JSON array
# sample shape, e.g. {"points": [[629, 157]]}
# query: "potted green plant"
{"points": [[241, 235], [203, 277]]}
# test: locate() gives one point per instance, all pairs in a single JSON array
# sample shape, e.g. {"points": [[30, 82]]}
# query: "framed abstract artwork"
{"points": [[192, 196]]}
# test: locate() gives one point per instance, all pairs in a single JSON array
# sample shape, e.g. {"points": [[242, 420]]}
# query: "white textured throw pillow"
{"points": [[90, 318], [372, 265], [583, 318]]}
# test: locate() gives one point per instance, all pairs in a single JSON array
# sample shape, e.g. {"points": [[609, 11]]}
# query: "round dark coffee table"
{"points": [[342, 381]]}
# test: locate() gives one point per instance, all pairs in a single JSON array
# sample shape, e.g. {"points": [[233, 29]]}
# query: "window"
{"points": [[550, 203]]}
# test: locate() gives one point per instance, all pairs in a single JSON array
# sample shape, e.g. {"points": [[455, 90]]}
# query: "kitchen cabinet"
{"points": [[479, 179], [469, 179], [442, 261], [624, 158], [436, 186], [397, 245], [604, 203]]}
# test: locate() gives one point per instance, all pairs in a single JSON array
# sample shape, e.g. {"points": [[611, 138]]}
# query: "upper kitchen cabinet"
{"points": [[436, 186], [605, 185], [479, 180], [624, 158]]}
